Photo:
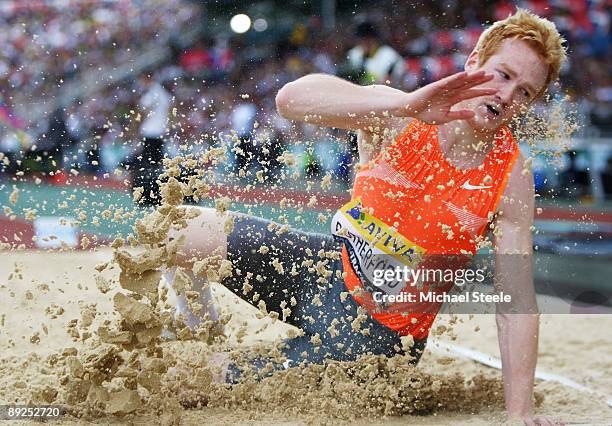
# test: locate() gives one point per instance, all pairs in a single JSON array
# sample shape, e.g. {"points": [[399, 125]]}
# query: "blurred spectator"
{"points": [[312, 165], [575, 179], [59, 140], [243, 122], [9, 152], [155, 107], [372, 61]]}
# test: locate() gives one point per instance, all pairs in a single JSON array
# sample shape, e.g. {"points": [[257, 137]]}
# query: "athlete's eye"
{"points": [[503, 74], [526, 93]]}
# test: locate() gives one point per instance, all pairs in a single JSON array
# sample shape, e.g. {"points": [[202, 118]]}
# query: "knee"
{"points": [[203, 236], [182, 253]]}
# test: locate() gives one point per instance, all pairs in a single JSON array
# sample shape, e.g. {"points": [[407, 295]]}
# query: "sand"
{"points": [[53, 306]]}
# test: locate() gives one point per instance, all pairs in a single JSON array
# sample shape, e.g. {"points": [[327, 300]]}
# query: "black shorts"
{"points": [[290, 270]]}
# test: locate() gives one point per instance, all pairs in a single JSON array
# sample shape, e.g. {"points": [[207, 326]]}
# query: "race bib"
{"points": [[374, 248]]}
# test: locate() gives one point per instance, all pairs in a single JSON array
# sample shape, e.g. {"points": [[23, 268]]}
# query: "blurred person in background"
{"points": [[154, 106], [243, 122], [373, 61], [10, 148], [59, 138], [112, 150], [75, 127], [575, 178]]}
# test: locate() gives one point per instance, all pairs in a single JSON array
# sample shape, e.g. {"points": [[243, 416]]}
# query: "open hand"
{"points": [[432, 103]]}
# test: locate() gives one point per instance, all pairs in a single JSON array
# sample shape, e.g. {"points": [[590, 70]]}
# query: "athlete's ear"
{"points": [[471, 63]]}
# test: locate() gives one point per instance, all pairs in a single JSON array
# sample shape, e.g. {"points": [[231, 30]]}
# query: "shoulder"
{"points": [[519, 193]]}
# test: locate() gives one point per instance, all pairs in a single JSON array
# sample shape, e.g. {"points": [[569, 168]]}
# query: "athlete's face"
{"points": [[519, 75]]}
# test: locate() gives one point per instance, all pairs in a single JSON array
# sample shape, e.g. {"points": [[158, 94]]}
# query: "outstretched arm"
{"points": [[518, 330], [517, 322], [329, 101]]}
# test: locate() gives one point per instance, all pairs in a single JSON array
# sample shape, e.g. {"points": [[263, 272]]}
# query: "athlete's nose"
{"points": [[504, 95]]}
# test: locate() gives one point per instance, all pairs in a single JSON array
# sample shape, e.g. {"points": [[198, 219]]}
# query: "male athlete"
{"points": [[438, 167]]}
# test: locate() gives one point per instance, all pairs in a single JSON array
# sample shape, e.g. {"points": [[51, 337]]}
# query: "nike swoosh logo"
{"points": [[467, 185]]}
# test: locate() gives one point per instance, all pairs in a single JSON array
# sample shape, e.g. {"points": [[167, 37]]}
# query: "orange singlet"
{"points": [[409, 200]]}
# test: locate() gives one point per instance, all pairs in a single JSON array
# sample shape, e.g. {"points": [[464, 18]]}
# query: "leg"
{"points": [[334, 330], [273, 266], [268, 265], [278, 267], [204, 237], [317, 298]]}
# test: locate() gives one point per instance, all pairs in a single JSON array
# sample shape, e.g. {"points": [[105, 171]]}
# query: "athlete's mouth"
{"points": [[492, 110]]}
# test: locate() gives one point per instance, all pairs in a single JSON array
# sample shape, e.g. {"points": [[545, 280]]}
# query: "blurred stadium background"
{"points": [[79, 77]]}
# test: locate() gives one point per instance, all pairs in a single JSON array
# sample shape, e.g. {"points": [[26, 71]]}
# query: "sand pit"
{"points": [[50, 298]]}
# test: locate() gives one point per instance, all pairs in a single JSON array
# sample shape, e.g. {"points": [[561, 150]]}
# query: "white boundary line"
{"points": [[494, 362]]}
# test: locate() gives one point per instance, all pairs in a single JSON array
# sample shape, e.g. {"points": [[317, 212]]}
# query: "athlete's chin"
{"points": [[485, 124]]}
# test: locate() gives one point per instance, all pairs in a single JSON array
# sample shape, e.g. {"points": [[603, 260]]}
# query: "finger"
{"points": [[476, 79], [455, 81], [474, 93], [463, 114], [464, 82], [471, 80], [453, 78]]}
